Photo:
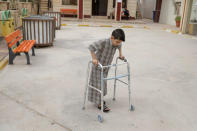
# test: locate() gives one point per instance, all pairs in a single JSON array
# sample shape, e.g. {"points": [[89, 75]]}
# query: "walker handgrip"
{"points": [[124, 59], [99, 64]]}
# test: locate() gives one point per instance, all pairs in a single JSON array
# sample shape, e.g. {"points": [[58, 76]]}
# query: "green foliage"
{"points": [[178, 18]]}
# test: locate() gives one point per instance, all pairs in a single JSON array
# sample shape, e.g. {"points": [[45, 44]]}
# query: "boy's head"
{"points": [[117, 37]]}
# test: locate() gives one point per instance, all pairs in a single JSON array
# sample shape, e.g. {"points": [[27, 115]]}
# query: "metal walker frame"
{"points": [[116, 78]]}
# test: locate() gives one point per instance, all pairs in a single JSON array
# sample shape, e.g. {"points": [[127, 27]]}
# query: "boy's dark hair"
{"points": [[118, 34]]}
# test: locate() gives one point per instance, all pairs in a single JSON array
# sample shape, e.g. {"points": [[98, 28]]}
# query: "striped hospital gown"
{"points": [[104, 51]]}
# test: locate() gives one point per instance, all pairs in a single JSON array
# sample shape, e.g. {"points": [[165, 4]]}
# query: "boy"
{"points": [[103, 52]]}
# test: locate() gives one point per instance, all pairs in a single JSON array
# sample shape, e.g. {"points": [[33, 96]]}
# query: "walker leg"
{"points": [[114, 90], [131, 107], [100, 117], [115, 81], [86, 86], [85, 94]]}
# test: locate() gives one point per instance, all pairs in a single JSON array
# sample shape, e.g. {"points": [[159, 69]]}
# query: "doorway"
{"points": [[156, 13], [99, 7]]}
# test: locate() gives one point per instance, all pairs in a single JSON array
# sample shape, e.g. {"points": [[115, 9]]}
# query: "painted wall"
{"points": [[4, 5], [168, 14], [147, 8], [131, 6], [110, 7], [57, 5], [87, 7]]}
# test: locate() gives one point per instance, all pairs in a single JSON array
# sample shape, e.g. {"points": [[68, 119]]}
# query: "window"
{"points": [[69, 2], [124, 3]]}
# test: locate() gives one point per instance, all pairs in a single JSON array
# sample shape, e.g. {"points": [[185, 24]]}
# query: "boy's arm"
{"points": [[94, 60], [93, 48], [120, 53]]}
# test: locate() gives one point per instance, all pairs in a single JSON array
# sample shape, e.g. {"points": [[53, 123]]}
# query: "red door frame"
{"points": [[118, 13], [80, 6]]}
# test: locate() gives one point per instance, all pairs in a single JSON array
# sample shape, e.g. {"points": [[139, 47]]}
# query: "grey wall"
{"points": [[168, 14], [147, 8]]}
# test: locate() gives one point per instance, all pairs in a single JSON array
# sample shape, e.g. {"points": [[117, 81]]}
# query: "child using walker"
{"points": [[103, 52]]}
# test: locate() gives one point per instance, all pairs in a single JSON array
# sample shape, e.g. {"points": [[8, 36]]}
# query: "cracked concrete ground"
{"points": [[48, 94]]}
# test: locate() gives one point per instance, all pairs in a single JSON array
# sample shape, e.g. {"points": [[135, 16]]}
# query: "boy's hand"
{"points": [[95, 61], [122, 57]]}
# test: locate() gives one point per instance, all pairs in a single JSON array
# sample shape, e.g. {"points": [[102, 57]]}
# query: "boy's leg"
{"points": [[95, 81], [105, 108]]}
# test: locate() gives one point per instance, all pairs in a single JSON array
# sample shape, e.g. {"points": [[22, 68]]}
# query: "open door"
{"points": [[99, 7]]}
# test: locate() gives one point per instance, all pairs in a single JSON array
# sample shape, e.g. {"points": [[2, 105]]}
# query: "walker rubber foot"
{"points": [[132, 108], [100, 118]]}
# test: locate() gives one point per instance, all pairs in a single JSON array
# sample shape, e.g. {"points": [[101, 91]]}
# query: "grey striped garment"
{"points": [[104, 51]]}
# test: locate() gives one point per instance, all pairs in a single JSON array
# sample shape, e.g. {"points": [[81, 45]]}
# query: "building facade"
{"points": [[187, 9], [165, 10], [94, 8]]}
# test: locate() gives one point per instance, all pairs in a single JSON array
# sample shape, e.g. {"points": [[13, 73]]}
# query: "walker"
{"points": [[116, 78]]}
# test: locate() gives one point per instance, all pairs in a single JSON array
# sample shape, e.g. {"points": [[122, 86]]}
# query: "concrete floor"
{"points": [[48, 94]]}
